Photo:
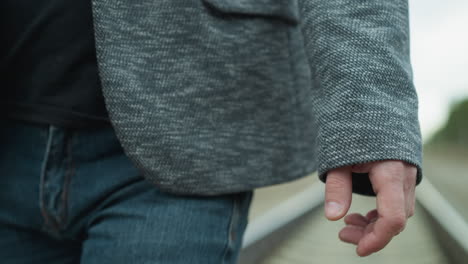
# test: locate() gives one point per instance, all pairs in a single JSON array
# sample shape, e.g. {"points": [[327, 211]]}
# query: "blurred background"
{"points": [[439, 50], [281, 232]]}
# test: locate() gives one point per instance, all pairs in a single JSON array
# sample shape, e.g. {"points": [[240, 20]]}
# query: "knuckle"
{"points": [[399, 164], [411, 168], [398, 223], [396, 167], [411, 179]]}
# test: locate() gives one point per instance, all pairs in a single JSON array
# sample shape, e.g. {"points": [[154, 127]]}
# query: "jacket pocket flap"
{"points": [[283, 9]]}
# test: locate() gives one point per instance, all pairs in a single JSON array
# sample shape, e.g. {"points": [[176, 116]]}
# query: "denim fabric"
{"points": [[73, 196]]}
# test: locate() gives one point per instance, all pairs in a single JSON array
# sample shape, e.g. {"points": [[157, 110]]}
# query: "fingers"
{"points": [[394, 184], [388, 182], [411, 200], [354, 229], [356, 220], [362, 167], [357, 226], [352, 234], [338, 191], [409, 189], [372, 215]]}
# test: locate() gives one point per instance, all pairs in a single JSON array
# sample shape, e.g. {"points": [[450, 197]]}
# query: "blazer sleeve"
{"points": [[366, 103]]}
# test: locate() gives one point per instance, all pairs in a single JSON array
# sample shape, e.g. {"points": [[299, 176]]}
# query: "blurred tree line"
{"points": [[455, 132]]}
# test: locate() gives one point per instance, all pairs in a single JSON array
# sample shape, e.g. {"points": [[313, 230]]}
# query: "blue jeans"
{"points": [[73, 196]]}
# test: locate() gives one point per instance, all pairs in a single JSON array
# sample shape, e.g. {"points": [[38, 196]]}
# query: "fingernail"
{"points": [[333, 209]]}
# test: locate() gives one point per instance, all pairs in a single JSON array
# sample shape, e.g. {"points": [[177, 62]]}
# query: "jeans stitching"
{"points": [[230, 227], [66, 183], [233, 224], [55, 223], [46, 216]]}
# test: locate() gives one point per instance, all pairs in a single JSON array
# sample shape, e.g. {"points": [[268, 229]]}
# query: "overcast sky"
{"points": [[439, 46]]}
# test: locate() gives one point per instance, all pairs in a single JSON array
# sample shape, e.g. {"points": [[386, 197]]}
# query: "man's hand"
{"points": [[394, 184]]}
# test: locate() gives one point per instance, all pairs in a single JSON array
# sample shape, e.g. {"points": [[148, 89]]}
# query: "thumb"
{"points": [[338, 191]]}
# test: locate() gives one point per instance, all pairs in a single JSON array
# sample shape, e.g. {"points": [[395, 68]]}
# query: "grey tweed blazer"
{"points": [[218, 96]]}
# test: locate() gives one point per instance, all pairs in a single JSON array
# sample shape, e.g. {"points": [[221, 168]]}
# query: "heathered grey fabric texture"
{"points": [[219, 96]]}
